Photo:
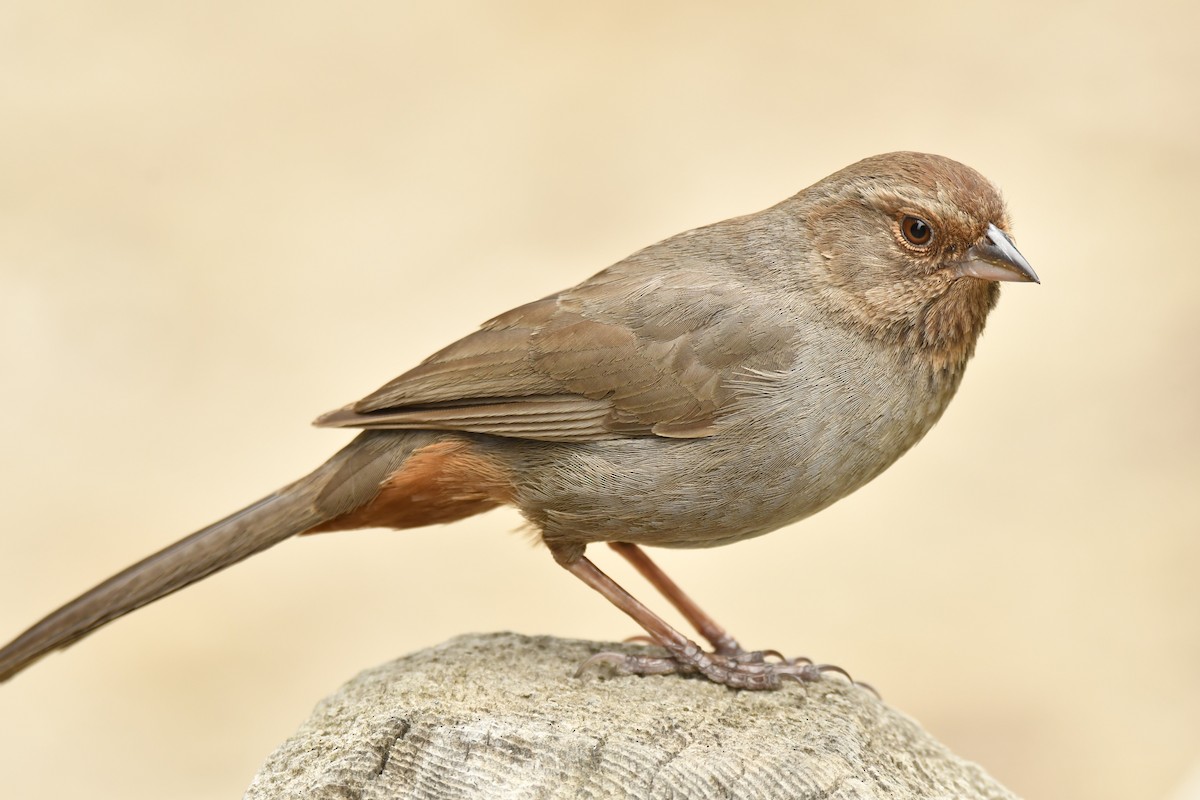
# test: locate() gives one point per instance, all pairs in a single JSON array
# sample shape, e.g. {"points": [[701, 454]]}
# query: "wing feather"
{"points": [[645, 348]]}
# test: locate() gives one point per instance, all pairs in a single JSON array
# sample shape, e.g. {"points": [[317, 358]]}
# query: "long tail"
{"points": [[346, 481]]}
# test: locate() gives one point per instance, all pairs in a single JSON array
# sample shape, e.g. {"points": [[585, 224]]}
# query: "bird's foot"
{"points": [[726, 645], [754, 669]]}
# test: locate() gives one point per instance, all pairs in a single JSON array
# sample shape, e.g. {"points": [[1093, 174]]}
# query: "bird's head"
{"points": [[909, 247]]}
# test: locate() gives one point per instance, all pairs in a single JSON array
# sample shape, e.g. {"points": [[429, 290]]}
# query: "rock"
{"points": [[503, 716]]}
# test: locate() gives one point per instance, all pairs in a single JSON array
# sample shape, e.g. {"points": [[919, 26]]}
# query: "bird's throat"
{"points": [[951, 323]]}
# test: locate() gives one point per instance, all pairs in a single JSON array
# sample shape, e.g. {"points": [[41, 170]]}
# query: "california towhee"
{"points": [[712, 387]]}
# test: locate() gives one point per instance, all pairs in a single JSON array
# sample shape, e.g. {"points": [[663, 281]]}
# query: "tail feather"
{"points": [[342, 484], [249, 531]]}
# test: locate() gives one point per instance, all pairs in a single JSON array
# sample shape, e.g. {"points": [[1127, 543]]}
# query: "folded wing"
{"points": [[618, 356]]}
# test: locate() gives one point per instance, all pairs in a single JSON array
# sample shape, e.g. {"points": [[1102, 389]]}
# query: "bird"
{"points": [[712, 387]]}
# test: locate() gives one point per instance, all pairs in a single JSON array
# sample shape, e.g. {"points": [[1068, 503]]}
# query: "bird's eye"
{"points": [[917, 231]]}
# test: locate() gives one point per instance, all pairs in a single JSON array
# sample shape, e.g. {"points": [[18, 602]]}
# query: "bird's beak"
{"points": [[996, 258]]}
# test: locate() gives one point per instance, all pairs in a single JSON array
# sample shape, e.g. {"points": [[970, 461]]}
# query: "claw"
{"points": [[869, 688], [615, 660], [639, 640], [823, 668]]}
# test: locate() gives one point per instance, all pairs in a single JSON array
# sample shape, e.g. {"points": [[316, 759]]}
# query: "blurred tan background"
{"points": [[218, 220]]}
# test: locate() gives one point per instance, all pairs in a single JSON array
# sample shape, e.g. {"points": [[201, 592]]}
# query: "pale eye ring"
{"points": [[916, 231]]}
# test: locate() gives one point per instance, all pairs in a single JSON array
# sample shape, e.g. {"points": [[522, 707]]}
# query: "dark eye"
{"points": [[916, 230]]}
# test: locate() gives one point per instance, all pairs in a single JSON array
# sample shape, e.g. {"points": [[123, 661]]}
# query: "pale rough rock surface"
{"points": [[501, 716]]}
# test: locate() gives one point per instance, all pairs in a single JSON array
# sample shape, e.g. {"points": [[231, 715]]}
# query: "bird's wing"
{"points": [[620, 355]]}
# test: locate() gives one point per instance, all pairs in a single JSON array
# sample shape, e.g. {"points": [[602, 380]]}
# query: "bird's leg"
{"points": [[706, 626], [686, 657]]}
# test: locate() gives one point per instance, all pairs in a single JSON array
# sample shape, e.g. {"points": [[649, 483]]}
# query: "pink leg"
{"points": [[705, 625], [686, 656]]}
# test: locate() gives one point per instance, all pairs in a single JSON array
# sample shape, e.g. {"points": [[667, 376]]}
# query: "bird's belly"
{"points": [[758, 473]]}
